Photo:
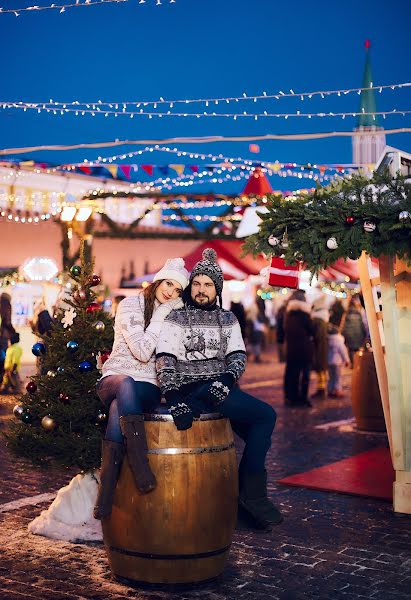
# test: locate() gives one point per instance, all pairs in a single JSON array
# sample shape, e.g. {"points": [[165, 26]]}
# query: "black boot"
{"points": [[132, 427], [253, 500], [112, 454]]}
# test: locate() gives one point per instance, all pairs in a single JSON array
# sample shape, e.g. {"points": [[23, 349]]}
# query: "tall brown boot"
{"points": [[132, 427], [112, 454]]}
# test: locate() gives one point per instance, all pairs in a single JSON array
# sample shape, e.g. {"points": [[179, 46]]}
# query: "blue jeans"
{"points": [[252, 420], [122, 396]]}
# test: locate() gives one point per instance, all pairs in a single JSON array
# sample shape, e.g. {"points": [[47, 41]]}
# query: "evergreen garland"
{"points": [[340, 211], [62, 391]]}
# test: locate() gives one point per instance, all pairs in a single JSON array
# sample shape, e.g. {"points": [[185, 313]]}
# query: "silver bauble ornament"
{"points": [[99, 326], [369, 226], [48, 423], [404, 216], [18, 411], [273, 241], [332, 244]]}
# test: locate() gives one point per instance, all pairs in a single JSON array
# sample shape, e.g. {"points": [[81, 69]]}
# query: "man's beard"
{"points": [[206, 302]]}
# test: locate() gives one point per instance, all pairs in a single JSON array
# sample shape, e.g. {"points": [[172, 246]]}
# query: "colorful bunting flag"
{"points": [[148, 169], [113, 170], [179, 169], [194, 168], [125, 169], [164, 170], [86, 170]]}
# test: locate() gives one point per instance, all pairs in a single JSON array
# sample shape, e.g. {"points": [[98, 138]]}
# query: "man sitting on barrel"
{"points": [[200, 357]]}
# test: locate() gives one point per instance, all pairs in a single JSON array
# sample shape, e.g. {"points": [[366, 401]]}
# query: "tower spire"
{"points": [[368, 142], [368, 103]]}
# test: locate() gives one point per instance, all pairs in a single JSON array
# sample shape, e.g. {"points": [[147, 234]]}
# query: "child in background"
{"points": [[11, 378], [337, 356]]}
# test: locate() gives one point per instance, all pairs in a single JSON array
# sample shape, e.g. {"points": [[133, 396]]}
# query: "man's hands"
{"points": [[215, 392]]}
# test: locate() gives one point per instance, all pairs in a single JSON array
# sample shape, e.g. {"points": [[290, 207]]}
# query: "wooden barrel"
{"points": [[182, 531], [365, 393]]}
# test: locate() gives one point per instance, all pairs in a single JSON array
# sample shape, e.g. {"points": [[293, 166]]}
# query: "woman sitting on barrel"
{"points": [[129, 387]]}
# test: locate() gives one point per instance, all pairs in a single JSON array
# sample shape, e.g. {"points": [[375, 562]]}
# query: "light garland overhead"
{"points": [[77, 4], [213, 115], [203, 140], [215, 101]]}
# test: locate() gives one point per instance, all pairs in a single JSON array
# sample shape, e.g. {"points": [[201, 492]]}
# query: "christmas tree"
{"points": [[60, 417]]}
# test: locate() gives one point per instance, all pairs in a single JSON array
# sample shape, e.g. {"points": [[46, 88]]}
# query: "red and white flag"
{"points": [[282, 275]]}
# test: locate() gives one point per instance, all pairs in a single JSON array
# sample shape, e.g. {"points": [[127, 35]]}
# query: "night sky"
{"points": [[202, 48]]}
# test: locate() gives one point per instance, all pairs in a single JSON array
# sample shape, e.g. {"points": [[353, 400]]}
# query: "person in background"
{"points": [[11, 382], [354, 330], [336, 312], [299, 333], [337, 357], [6, 329], [237, 308], [281, 332], [320, 316]]}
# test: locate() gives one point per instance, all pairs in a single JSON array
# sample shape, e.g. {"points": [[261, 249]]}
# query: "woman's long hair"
{"points": [[149, 294]]}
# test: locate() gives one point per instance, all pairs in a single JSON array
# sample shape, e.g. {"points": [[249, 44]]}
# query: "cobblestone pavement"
{"points": [[330, 546]]}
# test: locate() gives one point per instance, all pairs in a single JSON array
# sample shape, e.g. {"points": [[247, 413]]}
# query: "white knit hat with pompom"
{"points": [[174, 268]]}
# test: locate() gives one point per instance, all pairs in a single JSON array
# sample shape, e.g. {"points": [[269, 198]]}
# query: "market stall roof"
{"points": [[229, 258], [235, 266]]}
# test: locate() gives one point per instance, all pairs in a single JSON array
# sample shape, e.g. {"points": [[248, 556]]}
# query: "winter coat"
{"points": [[337, 351], [354, 331], [299, 331], [320, 362]]}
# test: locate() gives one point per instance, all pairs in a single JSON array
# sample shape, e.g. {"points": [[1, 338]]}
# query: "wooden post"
{"points": [[396, 298], [377, 337]]}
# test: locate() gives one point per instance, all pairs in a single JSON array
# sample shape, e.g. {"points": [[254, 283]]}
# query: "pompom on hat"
{"points": [[174, 268], [209, 266]]}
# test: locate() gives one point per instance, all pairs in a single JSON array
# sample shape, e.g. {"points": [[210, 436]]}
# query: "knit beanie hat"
{"points": [[174, 268], [209, 266]]}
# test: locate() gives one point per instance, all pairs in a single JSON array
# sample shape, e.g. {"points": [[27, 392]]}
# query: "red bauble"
{"points": [[350, 220], [104, 356], [31, 387], [95, 280], [93, 307], [64, 398]]}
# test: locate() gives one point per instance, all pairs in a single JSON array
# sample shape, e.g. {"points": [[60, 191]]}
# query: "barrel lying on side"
{"points": [[181, 532]]}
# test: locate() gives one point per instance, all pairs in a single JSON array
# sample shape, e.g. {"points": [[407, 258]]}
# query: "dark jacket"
{"points": [[354, 331], [299, 331], [320, 358]]}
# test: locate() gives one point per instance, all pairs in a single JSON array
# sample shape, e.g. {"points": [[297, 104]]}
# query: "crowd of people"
{"points": [[321, 339]]}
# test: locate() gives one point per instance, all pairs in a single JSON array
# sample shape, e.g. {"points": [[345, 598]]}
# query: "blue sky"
{"points": [[201, 48]]}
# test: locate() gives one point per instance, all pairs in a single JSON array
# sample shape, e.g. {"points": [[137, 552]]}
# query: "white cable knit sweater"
{"points": [[133, 352]]}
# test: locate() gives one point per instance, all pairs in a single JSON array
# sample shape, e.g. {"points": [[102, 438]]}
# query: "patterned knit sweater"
{"points": [[133, 352], [198, 345]]}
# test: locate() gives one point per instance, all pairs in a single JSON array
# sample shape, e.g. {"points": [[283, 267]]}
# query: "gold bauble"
{"points": [[48, 423]]}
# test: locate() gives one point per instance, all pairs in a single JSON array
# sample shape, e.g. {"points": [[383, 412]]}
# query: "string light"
{"points": [[203, 115], [78, 4], [207, 101], [219, 157]]}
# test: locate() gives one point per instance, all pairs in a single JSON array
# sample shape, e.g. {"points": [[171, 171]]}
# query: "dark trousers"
{"points": [[296, 381], [253, 421], [122, 396]]}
